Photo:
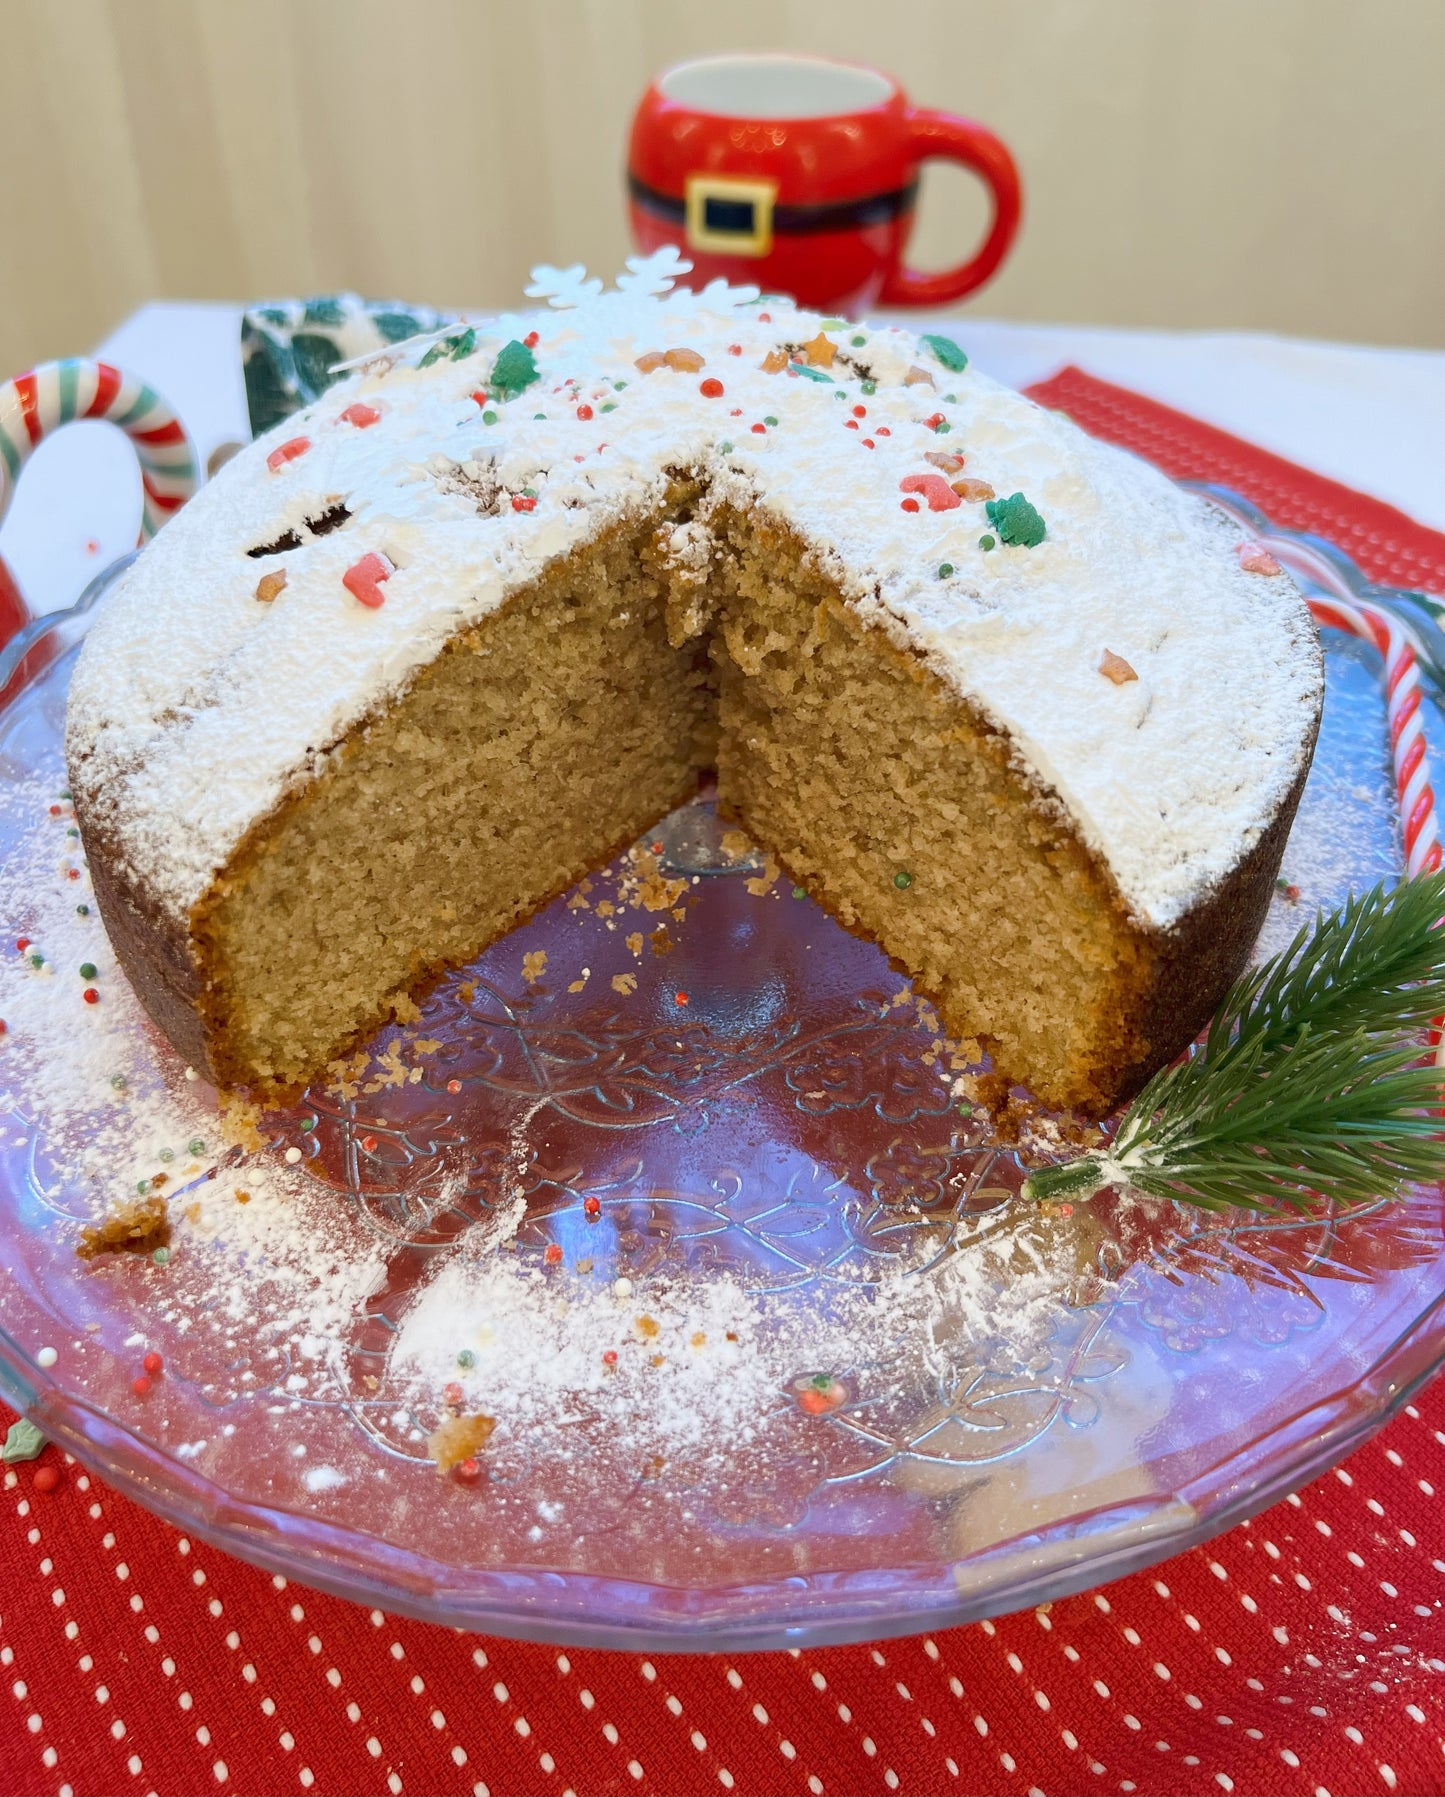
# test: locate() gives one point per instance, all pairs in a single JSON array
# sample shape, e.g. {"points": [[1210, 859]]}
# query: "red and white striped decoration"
{"points": [[34, 405]]}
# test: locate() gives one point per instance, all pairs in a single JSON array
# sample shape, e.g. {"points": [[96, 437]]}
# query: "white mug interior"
{"points": [[767, 86]]}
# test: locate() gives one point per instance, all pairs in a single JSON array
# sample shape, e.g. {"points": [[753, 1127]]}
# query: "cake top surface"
{"points": [[1103, 620]]}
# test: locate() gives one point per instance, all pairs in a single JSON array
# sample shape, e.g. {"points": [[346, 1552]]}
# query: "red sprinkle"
{"points": [[910, 505], [468, 1471], [22, 943], [46, 1478], [765, 318], [72, 873], [454, 1085], [681, 997], [860, 411], [360, 415], [452, 1393], [530, 340], [288, 452], [711, 388], [934, 488], [140, 1385], [760, 430], [55, 811], [609, 1357], [480, 395], [152, 1363], [3, 1026], [868, 443], [369, 1144], [883, 431], [521, 503], [91, 996], [850, 424], [584, 413], [363, 580], [592, 1206], [934, 421], [553, 1253]]}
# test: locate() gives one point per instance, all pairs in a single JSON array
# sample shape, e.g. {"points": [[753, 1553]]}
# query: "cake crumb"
{"points": [[533, 965], [133, 1226], [625, 983], [459, 1438], [1114, 667]]}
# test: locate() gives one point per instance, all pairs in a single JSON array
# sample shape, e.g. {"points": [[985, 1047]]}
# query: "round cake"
{"points": [[1000, 696]]}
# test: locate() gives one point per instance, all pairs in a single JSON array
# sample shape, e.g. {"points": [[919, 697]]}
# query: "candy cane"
{"points": [[56, 393]]}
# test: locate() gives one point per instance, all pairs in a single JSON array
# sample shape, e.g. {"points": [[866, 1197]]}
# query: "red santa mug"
{"points": [[800, 174]]}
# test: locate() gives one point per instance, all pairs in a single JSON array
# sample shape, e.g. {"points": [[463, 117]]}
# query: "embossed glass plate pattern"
{"points": [[790, 1128]]}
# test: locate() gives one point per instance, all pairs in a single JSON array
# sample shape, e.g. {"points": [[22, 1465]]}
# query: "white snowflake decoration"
{"points": [[563, 287], [655, 274]]}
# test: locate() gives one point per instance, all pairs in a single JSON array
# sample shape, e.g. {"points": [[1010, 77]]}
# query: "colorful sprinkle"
{"points": [[622, 1288], [681, 997], [868, 389], [909, 505], [521, 502], [361, 415], [46, 1478], [800, 892], [609, 1357], [161, 1257], [552, 1254], [87, 970], [468, 1471], [592, 1206], [585, 414], [140, 1385], [466, 1360], [22, 943], [760, 430], [82, 910], [152, 1363], [903, 879], [288, 452], [91, 996], [944, 570], [47, 1357], [986, 542], [1016, 521], [364, 579], [948, 352], [196, 1145], [452, 1393], [934, 488]]}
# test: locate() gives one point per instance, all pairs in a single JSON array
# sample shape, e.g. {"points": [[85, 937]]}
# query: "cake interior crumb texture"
{"points": [[564, 724]]}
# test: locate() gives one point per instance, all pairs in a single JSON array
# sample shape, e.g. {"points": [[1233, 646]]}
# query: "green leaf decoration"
{"points": [[810, 373], [22, 1442], [434, 354], [314, 355], [948, 352], [324, 311], [396, 326], [463, 346], [514, 369], [1308, 1084], [1016, 521]]}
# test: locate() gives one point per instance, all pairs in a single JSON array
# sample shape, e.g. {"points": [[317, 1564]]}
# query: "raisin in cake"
{"points": [[1001, 696]]}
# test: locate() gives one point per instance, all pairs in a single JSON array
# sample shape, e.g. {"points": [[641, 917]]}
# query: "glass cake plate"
{"points": [[849, 1386]]}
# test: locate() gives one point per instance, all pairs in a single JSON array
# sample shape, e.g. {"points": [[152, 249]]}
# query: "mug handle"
{"points": [[35, 405], [942, 135]]}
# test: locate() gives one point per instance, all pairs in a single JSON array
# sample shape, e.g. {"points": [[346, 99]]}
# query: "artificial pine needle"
{"points": [[1308, 1083]]}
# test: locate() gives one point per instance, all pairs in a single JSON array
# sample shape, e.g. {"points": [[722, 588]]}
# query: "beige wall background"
{"points": [[1267, 164]]}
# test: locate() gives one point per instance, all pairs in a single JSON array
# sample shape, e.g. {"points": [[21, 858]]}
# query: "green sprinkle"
{"points": [[466, 1360], [832, 324], [942, 428], [307, 1123], [1281, 884], [944, 570], [809, 373], [196, 1145], [529, 492], [948, 352], [514, 368], [161, 1256], [950, 399], [118, 1081], [611, 406], [857, 342], [800, 892], [903, 879], [821, 1381], [870, 387], [75, 833], [839, 393], [986, 542], [36, 960], [770, 420], [87, 970], [65, 795], [23, 1441], [489, 417], [617, 386], [168, 1154], [538, 415], [82, 910], [724, 448], [142, 1186], [1016, 521]]}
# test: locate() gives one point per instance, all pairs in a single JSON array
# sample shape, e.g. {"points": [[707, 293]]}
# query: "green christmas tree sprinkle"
{"points": [[1016, 521], [948, 352], [514, 369]]}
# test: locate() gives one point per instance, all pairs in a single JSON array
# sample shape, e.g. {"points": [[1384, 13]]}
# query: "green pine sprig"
{"points": [[1308, 1084]]}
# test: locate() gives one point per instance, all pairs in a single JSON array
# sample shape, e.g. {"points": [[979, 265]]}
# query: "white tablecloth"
{"points": [[1373, 418]]}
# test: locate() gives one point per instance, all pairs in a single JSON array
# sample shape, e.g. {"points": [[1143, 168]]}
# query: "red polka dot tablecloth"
{"points": [[1303, 1652]]}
